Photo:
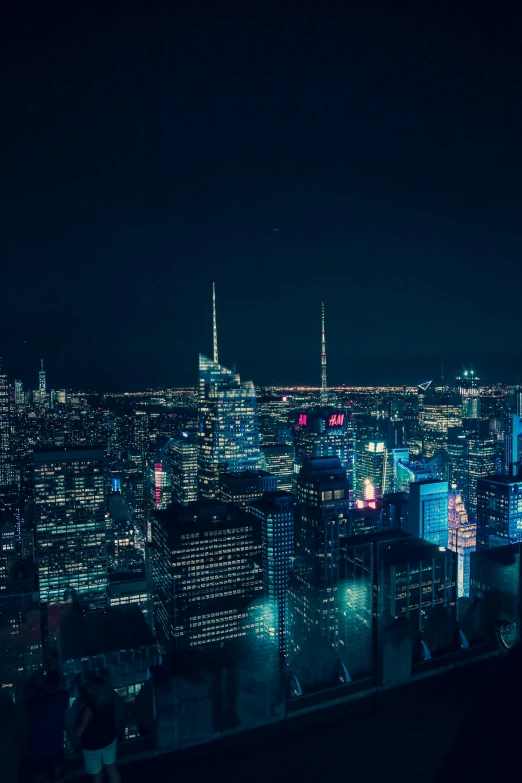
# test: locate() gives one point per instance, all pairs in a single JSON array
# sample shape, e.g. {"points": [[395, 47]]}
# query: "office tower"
{"points": [[279, 460], [481, 461], [468, 387], [160, 479], [276, 512], [229, 436], [437, 412], [183, 456], [42, 384], [206, 573], [19, 394], [140, 434], [242, 489], [499, 509], [273, 413], [6, 466], [71, 535], [327, 432], [321, 518], [462, 539], [61, 397], [428, 511], [472, 455], [410, 579], [372, 464], [133, 484]]}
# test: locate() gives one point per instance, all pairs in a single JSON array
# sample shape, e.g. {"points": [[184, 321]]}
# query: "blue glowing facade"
{"points": [[228, 426]]}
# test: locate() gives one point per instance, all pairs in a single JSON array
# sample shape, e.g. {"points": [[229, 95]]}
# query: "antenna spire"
{"points": [[214, 322], [323, 359]]}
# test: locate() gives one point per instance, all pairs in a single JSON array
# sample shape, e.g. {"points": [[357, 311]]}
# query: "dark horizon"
{"points": [[369, 157]]}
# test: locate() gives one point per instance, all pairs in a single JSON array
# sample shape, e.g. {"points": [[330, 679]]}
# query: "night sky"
{"points": [[371, 158]]}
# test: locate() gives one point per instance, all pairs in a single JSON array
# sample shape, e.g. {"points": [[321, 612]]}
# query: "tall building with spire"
{"points": [[42, 383], [228, 425], [6, 468], [326, 431]]}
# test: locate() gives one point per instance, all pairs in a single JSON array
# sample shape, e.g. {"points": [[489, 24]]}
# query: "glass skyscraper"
{"points": [[428, 511], [71, 530], [228, 426], [183, 455]]}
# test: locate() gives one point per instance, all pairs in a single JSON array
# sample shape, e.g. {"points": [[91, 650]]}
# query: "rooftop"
{"points": [[102, 631]]}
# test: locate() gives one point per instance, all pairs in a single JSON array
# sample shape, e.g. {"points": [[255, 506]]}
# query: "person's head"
{"points": [[98, 691], [52, 680]]}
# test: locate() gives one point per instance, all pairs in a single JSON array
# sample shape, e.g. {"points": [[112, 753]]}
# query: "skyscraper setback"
{"points": [[228, 425]]}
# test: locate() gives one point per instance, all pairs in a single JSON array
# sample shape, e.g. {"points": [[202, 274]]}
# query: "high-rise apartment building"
{"points": [[322, 517], [243, 489], [276, 512], [279, 460], [206, 574], [183, 456], [6, 466], [229, 436], [428, 511], [71, 530], [499, 509]]}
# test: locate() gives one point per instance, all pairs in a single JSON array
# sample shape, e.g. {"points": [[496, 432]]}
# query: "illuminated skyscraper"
{"points": [[462, 539], [229, 435], [19, 393], [428, 511], [437, 412], [499, 509], [468, 386], [276, 512], [71, 534], [206, 573], [322, 516], [372, 463], [472, 455], [327, 432], [279, 460], [160, 484], [6, 467], [42, 383], [183, 455]]}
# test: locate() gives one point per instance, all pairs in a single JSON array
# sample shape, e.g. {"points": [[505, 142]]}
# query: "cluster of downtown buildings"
{"points": [[300, 518]]}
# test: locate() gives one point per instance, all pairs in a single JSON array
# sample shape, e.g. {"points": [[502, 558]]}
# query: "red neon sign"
{"points": [[302, 419], [336, 420]]}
